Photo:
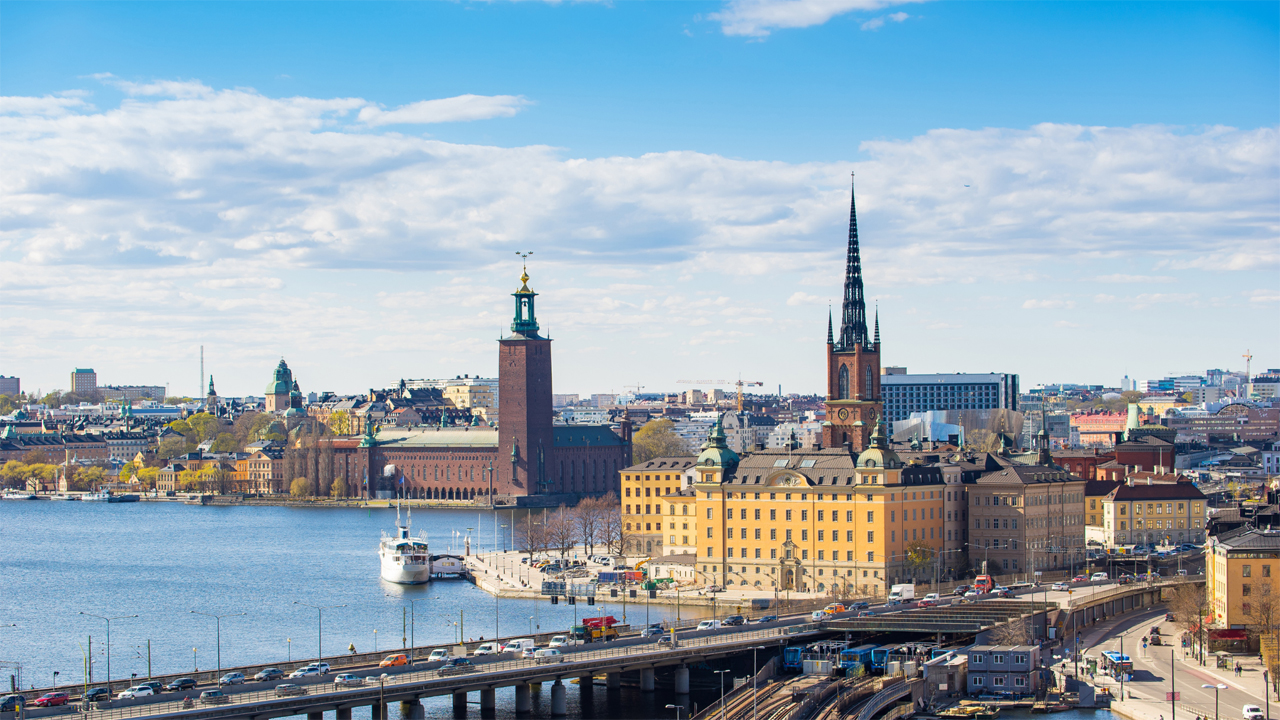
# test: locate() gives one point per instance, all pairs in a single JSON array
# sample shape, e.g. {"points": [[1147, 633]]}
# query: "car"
{"points": [[288, 689], [735, 620], [1182, 572], [647, 632], [394, 660], [489, 648], [1059, 586], [548, 655], [456, 666], [1097, 577], [155, 685], [1003, 592], [766, 619], [714, 624], [834, 608], [100, 693], [860, 605], [51, 699], [174, 686], [926, 602], [528, 652], [438, 654], [1079, 578], [1124, 579], [666, 640], [714, 589], [933, 596], [268, 674], [231, 678], [11, 703], [961, 590], [214, 697], [323, 667], [816, 615], [971, 594], [136, 691], [348, 680], [1252, 712], [866, 613], [306, 671]]}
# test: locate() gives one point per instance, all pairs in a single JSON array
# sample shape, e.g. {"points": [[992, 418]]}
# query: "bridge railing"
{"points": [[502, 672], [883, 699]]}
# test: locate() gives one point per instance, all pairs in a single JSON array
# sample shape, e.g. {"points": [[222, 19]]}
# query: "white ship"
{"points": [[405, 560]]}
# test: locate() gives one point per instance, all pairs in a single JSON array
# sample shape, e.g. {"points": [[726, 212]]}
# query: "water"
{"points": [[160, 561]]}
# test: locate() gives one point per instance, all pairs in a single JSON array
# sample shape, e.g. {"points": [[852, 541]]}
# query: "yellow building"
{"points": [[474, 395], [1159, 513], [1240, 570], [650, 493], [811, 521]]}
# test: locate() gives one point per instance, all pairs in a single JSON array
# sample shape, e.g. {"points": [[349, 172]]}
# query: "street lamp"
{"points": [[1215, 689], [721, 674], [109, 619], [375, 640], [289, 642], [755, 687], [319, 624], [677, 708], [218, 619]]}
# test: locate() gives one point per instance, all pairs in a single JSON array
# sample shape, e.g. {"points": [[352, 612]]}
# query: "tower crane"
{"points": [[739, 383]]}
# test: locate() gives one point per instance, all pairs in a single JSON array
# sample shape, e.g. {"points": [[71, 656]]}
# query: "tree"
{"points": [[657, 439], [148, 476], [1189, 605], [300, 488], [126, 472], [531, 535], [215, 479], [35, 457], [613, 533], [227, 443], [588, 517], [561, 530], [1014, 632], [980, 440], [919, 557], [172, 447], [340, 422], [189, 480], [339, 488]]}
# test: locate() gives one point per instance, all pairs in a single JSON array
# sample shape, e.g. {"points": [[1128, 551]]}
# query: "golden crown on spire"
{"points": [[524, 282], [524, 275]]}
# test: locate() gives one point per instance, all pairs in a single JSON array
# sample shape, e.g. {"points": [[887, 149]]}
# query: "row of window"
{"points": [[1018, 681], [1161, 524], [1157, 508], [916, 514]]}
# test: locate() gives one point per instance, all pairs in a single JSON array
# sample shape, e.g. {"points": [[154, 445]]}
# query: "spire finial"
{"points": [[877, 338], [853, 319], [524, 271], [830, 337]]}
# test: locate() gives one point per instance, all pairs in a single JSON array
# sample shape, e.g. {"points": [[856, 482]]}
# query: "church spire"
{"points": [[853, 318], [830, 337], [877, 338]]}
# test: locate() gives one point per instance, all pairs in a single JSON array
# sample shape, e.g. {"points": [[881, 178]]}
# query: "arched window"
{"points": [[842, 392], [868, 390]]}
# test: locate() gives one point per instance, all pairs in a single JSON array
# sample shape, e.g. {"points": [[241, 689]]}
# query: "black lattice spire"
{"points": [[853, 320]]}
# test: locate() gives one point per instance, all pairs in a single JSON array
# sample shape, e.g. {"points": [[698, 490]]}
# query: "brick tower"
{"points": [[853, 361], [525, 439]]}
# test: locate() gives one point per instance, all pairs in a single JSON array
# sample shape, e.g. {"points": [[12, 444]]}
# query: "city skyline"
{"points": [[1025, 206]]}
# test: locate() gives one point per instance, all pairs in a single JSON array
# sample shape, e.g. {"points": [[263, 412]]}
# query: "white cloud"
{"points": [[1134, 279], [802, 298], [757, 18], [1047, 304], [455, 109], [878, 22]]}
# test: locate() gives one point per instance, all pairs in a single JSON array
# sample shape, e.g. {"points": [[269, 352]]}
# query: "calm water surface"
{"points": [[160, 561]]}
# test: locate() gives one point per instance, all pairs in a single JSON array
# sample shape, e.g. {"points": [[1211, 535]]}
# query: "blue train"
{"points": [[792, 660], [860, 655]]}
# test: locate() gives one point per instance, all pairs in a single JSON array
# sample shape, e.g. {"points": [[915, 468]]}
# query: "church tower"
{"points": [[853, 402], [525, 436]]}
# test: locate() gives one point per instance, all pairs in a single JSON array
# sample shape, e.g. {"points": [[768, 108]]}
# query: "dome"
{"points": [[716, 452], [879, 455], [281, 380], [294, 412]]}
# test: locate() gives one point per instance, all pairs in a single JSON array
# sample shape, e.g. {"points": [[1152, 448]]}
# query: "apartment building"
{"points": [[644, 487], [1241, 566], [1163, 513], [1027, 518]]}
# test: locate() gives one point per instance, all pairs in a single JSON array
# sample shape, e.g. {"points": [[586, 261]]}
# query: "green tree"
{"points": [[227, 442], [657, 439], [126, 472], [300, 488], [148, 476], [340, 423], [919, 557], [7, 404], [339, 488], [173, 447], [189, 480]]}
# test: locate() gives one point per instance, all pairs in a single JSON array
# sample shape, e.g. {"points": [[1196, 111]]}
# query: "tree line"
{"points": [[592, 523]]}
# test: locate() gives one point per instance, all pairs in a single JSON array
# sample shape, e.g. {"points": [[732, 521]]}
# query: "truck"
{"points": [[983, 584], [900, 593], [596, 629]]}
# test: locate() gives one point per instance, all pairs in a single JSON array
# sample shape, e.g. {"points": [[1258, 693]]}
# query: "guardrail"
{"points": [[431, 682], [1131, 588], [885, 698]]}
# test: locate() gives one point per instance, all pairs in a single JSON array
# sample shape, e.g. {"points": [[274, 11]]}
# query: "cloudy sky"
{"points": [[1069, 191]]}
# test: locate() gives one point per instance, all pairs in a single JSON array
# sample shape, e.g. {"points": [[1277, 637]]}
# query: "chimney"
{"points": [[848, 449]]}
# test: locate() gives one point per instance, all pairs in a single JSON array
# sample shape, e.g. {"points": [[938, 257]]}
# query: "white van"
{"points": [[548, 655], [1097, 576], [489, 648], [709, 625], [519, 646], [1252, 712]]}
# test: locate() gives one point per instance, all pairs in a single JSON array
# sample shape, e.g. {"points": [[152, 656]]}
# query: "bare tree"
{"points": [[1263, 612], [589, 517], [1014, 632], [561, 530], [1189, 605], [613, 533], [325, 474]]}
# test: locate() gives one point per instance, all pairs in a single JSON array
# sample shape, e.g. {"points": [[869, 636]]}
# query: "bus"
{"points": [[1113, 663], [856, 656]]}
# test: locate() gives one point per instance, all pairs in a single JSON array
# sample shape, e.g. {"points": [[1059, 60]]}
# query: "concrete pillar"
{"points": [[524, 703], [315, 716], [682, 680], [460, 703], [557, 700], [613, 681], [646, 680], [412, 710], [586, 683], [344, 714], [488, 700], [377, 712]]}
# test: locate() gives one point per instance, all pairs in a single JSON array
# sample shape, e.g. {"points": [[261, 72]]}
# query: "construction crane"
{"points": [[739, 383]]}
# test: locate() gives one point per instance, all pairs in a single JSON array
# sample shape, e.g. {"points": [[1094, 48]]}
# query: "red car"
{"points": [[51, 699], [1079, 578]]}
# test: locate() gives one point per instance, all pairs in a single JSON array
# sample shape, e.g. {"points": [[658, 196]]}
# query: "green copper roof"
{"points": [[715, 451]]}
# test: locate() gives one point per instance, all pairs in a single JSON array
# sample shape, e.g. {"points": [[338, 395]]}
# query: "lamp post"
{"points": [[1215, 689], [721, 674], [677, 708], [375, 640], [319, 624], [289, 642], [755, 686], [412, 607], [109, 619], [218, 622]]}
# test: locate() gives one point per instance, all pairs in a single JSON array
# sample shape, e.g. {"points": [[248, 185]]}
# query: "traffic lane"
{"points": [[1189, 678]]}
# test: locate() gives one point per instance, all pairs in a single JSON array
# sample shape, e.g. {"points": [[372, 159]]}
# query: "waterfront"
{"points": [[160, 561]]}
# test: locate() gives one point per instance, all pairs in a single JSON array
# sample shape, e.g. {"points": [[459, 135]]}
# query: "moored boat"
{"points": [[405, 560]]}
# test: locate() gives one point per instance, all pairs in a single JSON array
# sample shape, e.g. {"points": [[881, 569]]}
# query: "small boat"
{"points": [[127, 497], [101, 496], [64, 496], [972, 711], [20, 495], [406, 560]]}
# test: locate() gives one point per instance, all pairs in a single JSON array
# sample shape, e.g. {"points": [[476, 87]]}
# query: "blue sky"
{"points": [[265, 179]]}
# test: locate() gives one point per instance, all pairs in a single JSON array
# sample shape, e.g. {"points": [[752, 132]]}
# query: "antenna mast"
{"points": [[1248, 362], [200, 388]]}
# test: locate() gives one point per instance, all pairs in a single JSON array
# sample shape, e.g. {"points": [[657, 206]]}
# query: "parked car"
{"points": [[734, 620], [394, 660], [767, 619], [306, 671], [288, 689], [214, 697], [438, 654], [457, 666], [1059, 586], [136, 691], [348, 680], [268, 674], [100, 693], [231, 678], [548, 655], [11, 703], [51, 699]]}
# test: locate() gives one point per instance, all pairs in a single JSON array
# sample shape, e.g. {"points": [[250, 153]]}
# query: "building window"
{"points": [[773, 514], [977, 681], [773, 554], [1246, 589], [757, 533], [997, 681], [1246, 571], [773, 533]]}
